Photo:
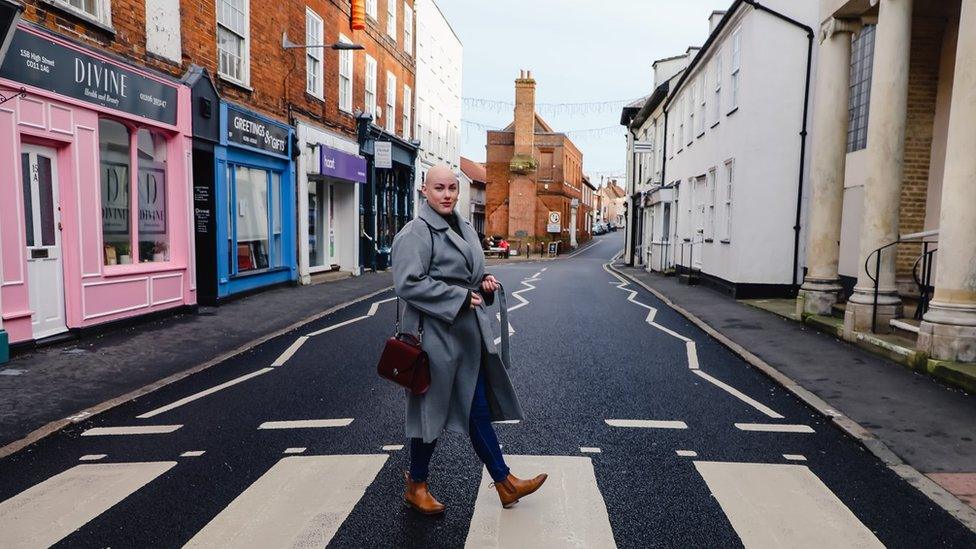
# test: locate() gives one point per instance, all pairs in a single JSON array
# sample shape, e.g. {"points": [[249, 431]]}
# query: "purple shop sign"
{"points": [[341, 165]]}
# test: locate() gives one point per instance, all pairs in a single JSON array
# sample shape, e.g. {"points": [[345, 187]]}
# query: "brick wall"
{"points": [[923, 83], [277, 76]]}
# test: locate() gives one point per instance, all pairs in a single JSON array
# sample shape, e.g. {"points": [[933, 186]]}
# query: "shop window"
{"points": [[148, 240], [114, 164], [232, 40], [255, 216], [152, 230]]}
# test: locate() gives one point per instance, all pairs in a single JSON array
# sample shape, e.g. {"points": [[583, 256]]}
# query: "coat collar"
{"points": [[438, 223]]}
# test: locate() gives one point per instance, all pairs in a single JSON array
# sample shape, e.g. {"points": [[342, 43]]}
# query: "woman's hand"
{"points": [[489, 284], [476, 300]]}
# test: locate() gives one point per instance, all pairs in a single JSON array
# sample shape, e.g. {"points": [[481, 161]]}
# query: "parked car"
{"points": [[599, 228]]}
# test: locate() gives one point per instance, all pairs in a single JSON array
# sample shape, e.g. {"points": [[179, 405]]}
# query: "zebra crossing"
{"points": [[303, 500]]}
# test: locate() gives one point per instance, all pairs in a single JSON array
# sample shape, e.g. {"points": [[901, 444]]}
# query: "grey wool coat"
{"points": [[433, 270]]}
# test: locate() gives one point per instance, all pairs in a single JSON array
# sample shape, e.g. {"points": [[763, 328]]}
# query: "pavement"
{"points": [[654, 435], [40, 389]]}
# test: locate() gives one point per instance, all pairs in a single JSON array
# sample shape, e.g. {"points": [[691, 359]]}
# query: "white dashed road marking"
{"points": [[92, 457], [774, 428], [133, 430], [306, 424], [646, 424]]}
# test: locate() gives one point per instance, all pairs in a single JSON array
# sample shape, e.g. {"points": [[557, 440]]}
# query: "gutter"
{"points": [[806, 104]]}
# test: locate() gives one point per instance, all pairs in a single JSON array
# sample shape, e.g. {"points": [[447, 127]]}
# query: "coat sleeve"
{"points": [[411, 257]]}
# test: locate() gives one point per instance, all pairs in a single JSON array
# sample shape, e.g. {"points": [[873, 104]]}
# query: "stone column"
{"points": [[949, 329], [821, 286], [885, 159]]}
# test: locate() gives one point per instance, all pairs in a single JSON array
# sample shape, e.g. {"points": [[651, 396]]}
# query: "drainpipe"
{"points": [[803, 131], [633, 205]]}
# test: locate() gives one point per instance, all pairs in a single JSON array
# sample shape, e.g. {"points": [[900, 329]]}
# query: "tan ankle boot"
{"points": [[420, 498], [512, 488]]}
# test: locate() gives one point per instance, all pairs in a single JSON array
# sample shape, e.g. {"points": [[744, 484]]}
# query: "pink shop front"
{"points": [[92, 140]]}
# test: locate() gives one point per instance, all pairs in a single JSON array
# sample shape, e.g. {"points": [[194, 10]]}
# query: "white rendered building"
{"points": [[735, 151], [438, 95]]}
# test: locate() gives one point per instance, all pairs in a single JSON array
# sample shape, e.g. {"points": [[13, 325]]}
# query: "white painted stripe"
{"points": [[508, 421], [393, 447], [131, 430], [543, 269], [778, 505], [646, 424], [687, 453], [794, 457], [92, 457], [774, 428], [47, 512], [193, 453], [204, 393], [295, 450], [337, 326], [306, 424], [589, 450], [568, 511], [290, 351], [376, 305], [288, 506], [692, 355], [650, 316], [670, 332], [739, 395]]}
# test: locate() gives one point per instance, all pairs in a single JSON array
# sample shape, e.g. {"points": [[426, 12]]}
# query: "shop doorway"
{"points": [[321, 226], [42, 228]]}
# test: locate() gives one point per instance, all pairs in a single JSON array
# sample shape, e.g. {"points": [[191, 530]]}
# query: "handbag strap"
{"points": [[430, 262], [503, 318]]}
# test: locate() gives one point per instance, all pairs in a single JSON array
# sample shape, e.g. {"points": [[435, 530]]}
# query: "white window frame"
{"points": [[718, 88], [390, 110], [711, 185], [681, 128], [391, 19], [729, 184], [735, 68], [407, 112], [702, 112], [691, 111], [102, 15], [345, 76], [369, 86], [246, 49], [371, 9], [407, 29], [314, 57]]}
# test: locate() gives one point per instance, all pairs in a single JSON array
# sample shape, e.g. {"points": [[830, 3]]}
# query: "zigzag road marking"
{"points": [[690, 347]]}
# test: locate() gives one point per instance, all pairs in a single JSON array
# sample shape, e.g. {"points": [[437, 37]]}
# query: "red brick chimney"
{"points": [[524, 114]]}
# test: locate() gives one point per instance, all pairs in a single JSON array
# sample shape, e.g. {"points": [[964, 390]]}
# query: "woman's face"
{"points": [[441, 196]]}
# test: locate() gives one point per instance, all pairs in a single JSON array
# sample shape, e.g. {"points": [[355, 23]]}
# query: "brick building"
{"points": [[533, 170]]}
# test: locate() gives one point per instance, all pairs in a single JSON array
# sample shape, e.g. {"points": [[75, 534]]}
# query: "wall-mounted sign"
{"points": [[342, 165], [246, 129], [383, 154], [43, 63]]}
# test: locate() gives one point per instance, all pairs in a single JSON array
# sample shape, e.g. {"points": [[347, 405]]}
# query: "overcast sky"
{"points": [[578, 51]]}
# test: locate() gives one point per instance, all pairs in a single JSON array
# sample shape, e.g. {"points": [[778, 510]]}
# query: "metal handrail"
{"points": [[918, 238]]}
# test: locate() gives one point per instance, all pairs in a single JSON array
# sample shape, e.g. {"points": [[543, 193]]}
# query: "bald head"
{"points": [[440, 173], [441, 189]]}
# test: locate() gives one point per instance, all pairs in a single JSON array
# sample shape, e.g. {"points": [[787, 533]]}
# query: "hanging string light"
{"points": [[578, 134], [549, 109]]}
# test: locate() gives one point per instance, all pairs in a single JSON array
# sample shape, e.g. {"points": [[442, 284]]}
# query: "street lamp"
{"points": [[288, 45], [9, 15]]}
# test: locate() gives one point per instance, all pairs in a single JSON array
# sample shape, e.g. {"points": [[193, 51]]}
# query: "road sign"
{"points": [[383, 154], [554, 225]]}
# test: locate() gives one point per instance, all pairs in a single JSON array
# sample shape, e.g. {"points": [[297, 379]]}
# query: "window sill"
{"points": [[258, 272], [313, 97], [725, 241], [733, 111], [701, 134], [82, 16], [236, 83], [709, 240], [114, 271], [715, 124]]}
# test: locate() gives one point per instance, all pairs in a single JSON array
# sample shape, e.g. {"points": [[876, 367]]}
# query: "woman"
{"points": [[439, 270]]}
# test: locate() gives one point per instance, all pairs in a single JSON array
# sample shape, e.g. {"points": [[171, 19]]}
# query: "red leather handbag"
{"points": [[404, 361]]}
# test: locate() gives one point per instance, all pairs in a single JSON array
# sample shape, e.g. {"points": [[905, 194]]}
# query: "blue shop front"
{"points": [[244, 198]]}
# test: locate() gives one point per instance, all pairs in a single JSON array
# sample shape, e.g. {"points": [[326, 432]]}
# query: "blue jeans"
{"points": [[482, 435]]}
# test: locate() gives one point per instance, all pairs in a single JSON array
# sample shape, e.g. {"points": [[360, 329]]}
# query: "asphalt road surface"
{"points": [[653, 434]]}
